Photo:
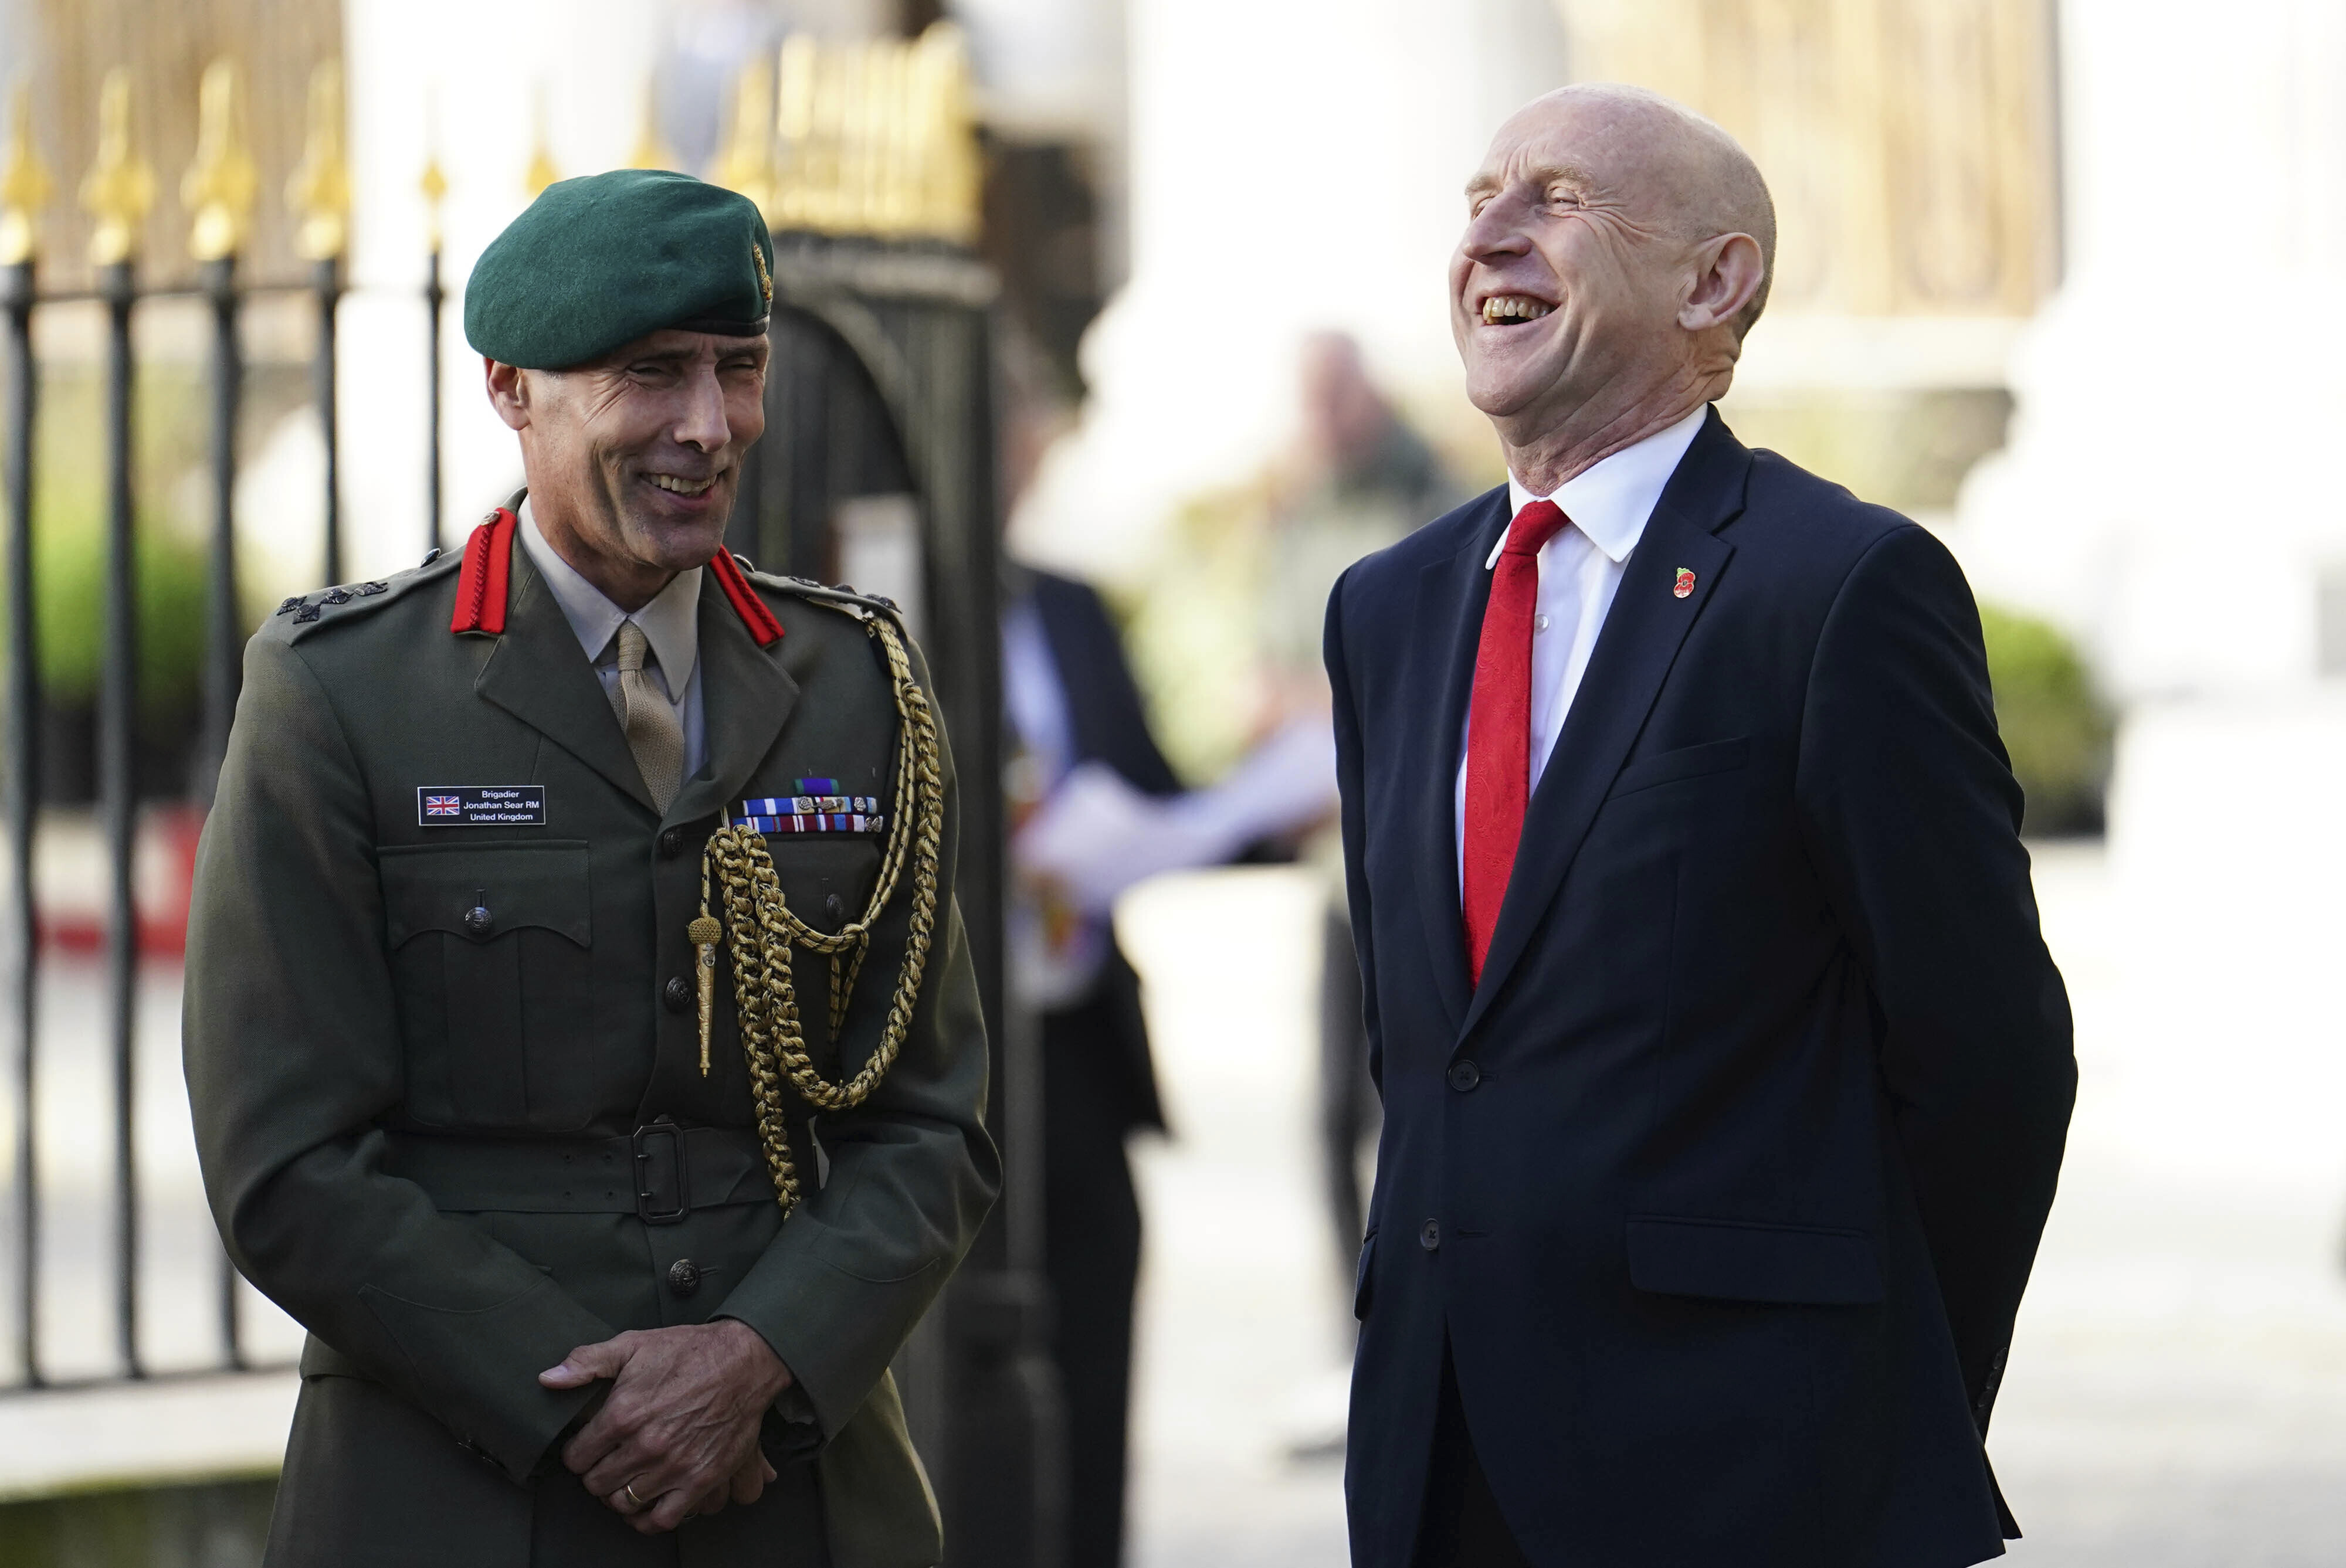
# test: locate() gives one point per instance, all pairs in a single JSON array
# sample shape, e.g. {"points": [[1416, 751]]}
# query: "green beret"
{"points": [[601, 260]]}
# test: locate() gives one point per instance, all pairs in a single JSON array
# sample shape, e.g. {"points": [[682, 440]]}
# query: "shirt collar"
{"points": [[671, 622], [1610, 500]]}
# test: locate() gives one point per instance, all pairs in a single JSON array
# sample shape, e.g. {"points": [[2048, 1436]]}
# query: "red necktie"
{"points": [[1499, 725]]}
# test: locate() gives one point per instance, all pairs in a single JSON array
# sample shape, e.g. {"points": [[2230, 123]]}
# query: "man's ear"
{"points": [[508, 391], [1727, 272]]}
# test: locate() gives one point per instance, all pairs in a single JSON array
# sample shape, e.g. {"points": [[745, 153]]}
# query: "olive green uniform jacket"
{"points": [[416, 1126]]}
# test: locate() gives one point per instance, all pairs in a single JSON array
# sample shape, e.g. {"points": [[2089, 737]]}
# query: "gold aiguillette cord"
{"points": [[705, 933]]}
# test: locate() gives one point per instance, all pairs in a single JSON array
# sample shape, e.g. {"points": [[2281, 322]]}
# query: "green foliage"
{"points": [[69, 563], [137, 1526], [69, 569], [2054, 724]]}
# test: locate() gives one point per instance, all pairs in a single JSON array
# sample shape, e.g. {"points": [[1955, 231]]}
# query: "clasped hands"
{"points": [[678, 1434]]}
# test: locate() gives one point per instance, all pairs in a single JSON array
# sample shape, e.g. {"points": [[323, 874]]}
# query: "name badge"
{"points": [[480, 805]]}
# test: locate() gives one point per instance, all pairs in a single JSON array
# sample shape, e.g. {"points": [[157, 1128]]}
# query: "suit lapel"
{"points": [[537, 674], [1643, 632], [746, 696], [1450, 592]]}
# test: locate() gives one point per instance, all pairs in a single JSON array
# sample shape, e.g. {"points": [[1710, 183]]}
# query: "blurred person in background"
{"points": [[1726, 1075], [1068, 700], [1363, 480], [1095, 808]]}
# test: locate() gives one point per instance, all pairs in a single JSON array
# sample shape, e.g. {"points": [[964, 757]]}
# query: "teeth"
{"points": [[1513, 308], [681, 486]]}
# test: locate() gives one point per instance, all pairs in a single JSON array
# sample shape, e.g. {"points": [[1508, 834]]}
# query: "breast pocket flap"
{"points": [[436, 887], [1685, 762], [1733, 1260]]}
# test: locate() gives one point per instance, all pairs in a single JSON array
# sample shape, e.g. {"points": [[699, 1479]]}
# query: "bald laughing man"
{"points": [[1726, 1075]]}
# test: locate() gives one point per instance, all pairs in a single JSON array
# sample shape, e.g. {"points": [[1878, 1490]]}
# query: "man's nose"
{"points": [[701, 422], [1497, 230]]}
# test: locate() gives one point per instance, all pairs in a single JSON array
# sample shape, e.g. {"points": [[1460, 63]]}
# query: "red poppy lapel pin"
{"points": [[1684, 587]]}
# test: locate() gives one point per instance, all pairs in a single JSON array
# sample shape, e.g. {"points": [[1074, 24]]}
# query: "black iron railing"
{"points": [[117, 194], [116, 732], [881, 383], [22, 782]]}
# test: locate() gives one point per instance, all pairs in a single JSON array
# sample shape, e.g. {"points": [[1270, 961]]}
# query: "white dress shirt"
{"points": [[670, 623], [1579, 571]]}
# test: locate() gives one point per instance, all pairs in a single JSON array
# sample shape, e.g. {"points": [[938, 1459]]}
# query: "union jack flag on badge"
{"points": [[443, 806]]}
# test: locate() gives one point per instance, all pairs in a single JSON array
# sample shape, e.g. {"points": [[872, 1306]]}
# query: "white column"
{"points": [[1295, 165], [2166, 493]]}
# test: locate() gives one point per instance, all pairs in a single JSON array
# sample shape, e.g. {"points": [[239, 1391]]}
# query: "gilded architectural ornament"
{"points": [[319, 190], [432, 183], [120, 187], [220, 185], [951, 174], [24, 185], [873, 138], [747, 163]]}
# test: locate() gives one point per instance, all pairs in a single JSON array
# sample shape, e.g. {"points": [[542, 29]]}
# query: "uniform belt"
{"points": [[660, 1173]]}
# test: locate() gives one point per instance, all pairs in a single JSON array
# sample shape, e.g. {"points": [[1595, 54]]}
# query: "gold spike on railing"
{"points": [[219, 186], [119, 188], [432, 183], [24, 185], [747, 163], [319, 190], [872, 137], [541, 171], [434, 186]]}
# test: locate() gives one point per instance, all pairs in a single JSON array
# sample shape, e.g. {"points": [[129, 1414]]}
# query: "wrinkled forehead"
{"points": [[1602, 146]]}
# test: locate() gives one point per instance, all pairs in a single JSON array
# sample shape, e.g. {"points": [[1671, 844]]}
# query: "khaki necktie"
{"points": [[650, 718]]}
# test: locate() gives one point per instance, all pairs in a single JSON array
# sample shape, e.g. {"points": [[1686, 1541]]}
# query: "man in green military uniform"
{"points": [[606, 1216]]}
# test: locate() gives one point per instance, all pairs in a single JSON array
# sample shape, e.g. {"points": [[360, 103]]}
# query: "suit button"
{"points": [[684, 1277], [1429, 1234], [677, 995], [1464, 1075], [671, 843]]}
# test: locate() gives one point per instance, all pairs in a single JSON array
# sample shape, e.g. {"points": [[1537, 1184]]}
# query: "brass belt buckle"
{"points": [[646, 1191]]}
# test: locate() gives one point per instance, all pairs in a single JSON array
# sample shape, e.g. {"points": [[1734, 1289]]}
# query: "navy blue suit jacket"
{"points": [[1106, 723], [1724, 1184]]}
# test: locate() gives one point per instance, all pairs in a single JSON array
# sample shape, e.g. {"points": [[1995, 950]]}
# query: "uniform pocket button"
{"points": [[1464, 1075], [677, 995], [478, 920], [1429, 1234], [684, 1277]]}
